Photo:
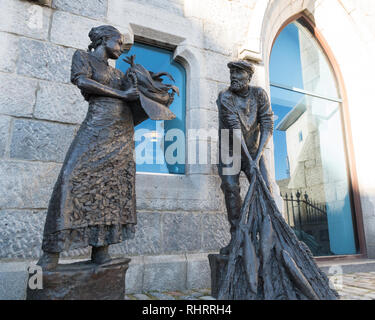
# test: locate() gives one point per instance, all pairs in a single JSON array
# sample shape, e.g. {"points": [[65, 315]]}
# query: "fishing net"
{"points": [[267, 261]]}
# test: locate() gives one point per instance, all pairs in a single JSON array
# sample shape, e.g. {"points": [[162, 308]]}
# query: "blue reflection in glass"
{"points": [[156, 59], [308, 143], [285, 61]]}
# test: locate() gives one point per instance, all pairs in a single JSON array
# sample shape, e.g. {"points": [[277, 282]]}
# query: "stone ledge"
{"points": [[348, 267]]}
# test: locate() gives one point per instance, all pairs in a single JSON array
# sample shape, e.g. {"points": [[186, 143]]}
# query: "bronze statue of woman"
{"points": [[93, 201]]}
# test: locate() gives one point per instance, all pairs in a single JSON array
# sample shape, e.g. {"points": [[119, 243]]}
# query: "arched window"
{"points": [[155, 139], [310, 152]]}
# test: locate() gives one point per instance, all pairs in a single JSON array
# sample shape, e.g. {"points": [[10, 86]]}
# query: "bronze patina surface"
{"points": [[93, 202], [264, 260]]}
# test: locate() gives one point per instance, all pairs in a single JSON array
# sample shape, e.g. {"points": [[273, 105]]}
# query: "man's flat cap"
{"points": [[242, 64]]}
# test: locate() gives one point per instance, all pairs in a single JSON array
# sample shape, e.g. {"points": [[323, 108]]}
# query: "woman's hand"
{"points": [[131, 94]]}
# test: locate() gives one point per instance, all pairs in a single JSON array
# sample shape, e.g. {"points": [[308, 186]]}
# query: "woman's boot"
{"points": [[100, 255], [48, 260]]}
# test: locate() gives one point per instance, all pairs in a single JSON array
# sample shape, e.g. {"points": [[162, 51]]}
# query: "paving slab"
{"points": [[356, 286]]}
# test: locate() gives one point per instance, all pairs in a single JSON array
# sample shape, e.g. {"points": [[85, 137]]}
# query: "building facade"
{"points": [[181, 212]]}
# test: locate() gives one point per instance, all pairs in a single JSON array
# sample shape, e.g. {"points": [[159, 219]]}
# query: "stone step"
{"points": [[347, 266]]}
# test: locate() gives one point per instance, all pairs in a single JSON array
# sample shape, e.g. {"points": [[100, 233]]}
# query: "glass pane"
{"points": [[311, 171], [151, 132], [297, 61]]}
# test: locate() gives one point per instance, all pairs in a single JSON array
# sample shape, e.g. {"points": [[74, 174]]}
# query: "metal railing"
{"points": [[301, 211]]}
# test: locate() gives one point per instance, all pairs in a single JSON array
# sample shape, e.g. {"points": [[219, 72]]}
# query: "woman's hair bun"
{"points": [[98, 34]]}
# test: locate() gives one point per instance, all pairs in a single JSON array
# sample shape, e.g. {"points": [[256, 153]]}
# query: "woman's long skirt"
{"points": [[93, 201]]}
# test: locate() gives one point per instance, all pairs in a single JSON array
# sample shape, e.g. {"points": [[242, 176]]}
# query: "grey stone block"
{"points": [[164, 273], [89, 8], [17, 95], [76, 35], [331, 268], [208, 92], [4, 134], [8, 52], [15, 266], [369, 223], [181, 232], [241, 11], [13, 285], [202, 169], [211, 71], [26, 184], [215, 231], [367, 202], [198, 271], [218, 38], [25, 18], [175, 6], [178, 193], [147, 238], [134, 276], [203, 155], [39, 140], [209, 10], [154, 23], [21, 233], [204, 119], [60, 102], [207, 298], [177, 204], [371, 251], [44, 60]]}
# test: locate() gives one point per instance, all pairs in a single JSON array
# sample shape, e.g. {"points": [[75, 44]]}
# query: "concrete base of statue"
{"points": [[83, 281], [218, 264]]}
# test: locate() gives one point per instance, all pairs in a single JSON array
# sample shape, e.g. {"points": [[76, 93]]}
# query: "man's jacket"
{"points": [[252, 114]]}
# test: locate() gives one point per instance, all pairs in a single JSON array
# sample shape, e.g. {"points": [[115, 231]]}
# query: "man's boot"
{"points": [[100, 255]]}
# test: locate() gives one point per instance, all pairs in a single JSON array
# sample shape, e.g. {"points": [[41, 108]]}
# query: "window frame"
{"points": [[164, 47], [354, 193]]}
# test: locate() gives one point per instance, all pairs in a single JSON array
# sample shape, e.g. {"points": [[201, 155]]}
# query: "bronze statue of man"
{"points": [[248, 109], [265, 259]]}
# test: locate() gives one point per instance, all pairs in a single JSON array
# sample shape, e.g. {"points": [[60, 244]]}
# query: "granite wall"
{"points": [[40, 111]]}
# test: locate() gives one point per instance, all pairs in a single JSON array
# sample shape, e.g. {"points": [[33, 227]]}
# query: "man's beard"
{"points": [[237, 86]]}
